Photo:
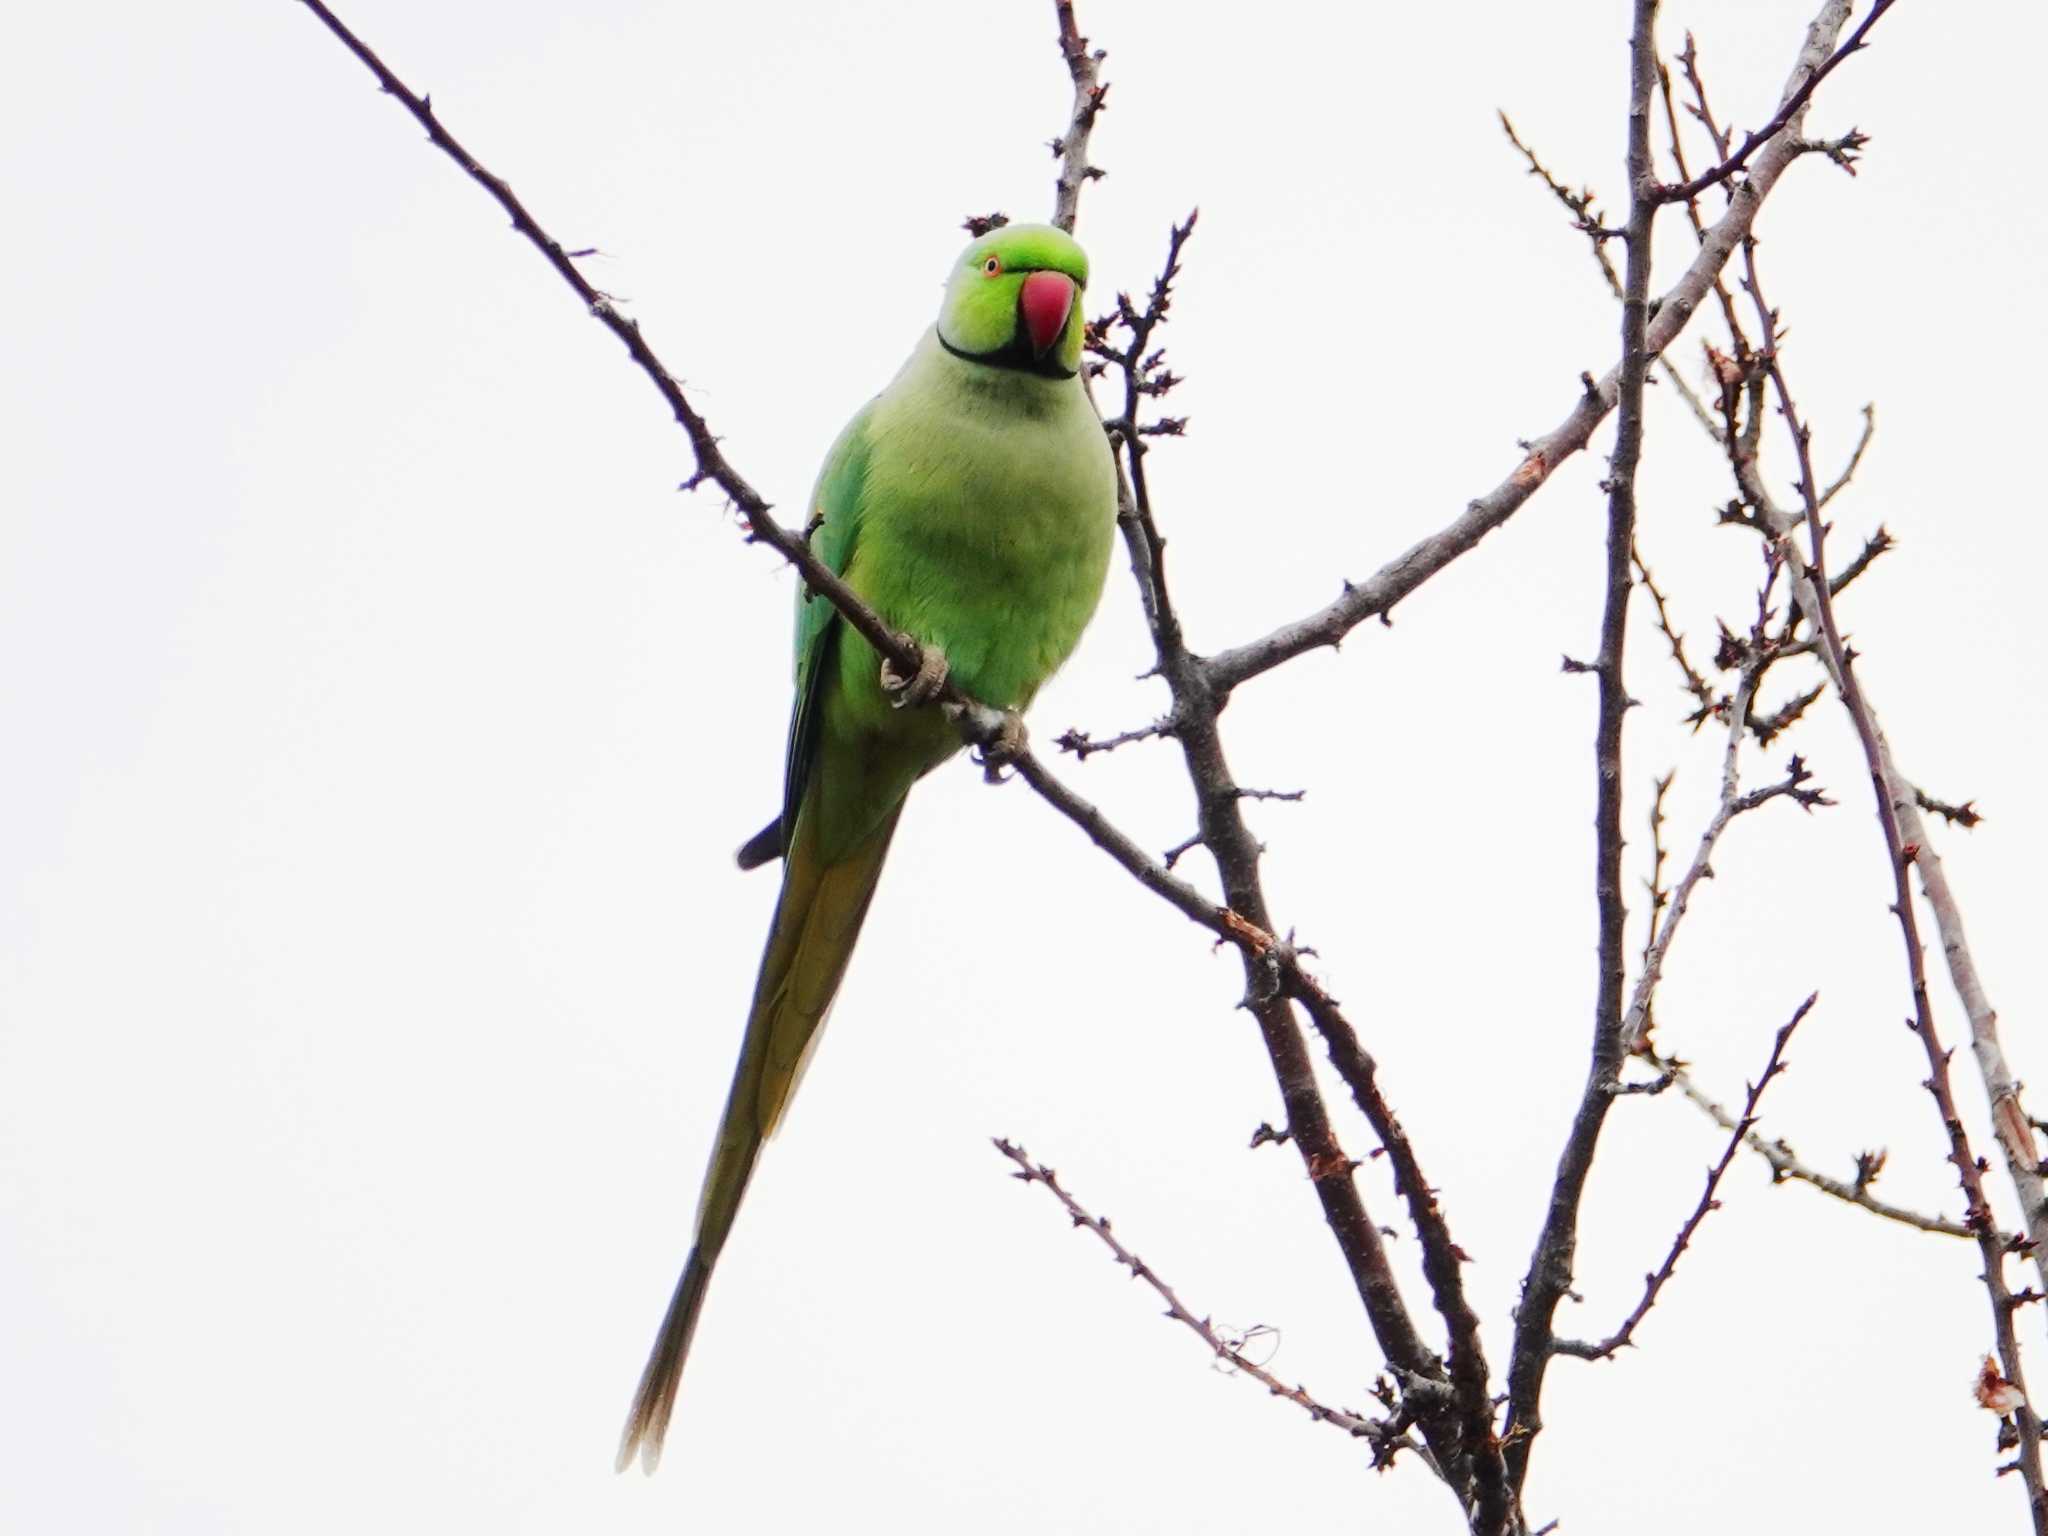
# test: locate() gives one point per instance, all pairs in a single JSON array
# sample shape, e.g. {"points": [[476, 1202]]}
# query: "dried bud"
{"points": [[1724, 370], [1329, 1165], [1995, 1392]]}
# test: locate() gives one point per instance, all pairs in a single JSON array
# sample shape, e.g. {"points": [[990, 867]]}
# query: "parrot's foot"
{"points": [[1011, 742], [921, 689]]}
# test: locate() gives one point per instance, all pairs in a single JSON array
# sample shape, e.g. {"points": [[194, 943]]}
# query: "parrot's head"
{"points": [[1013, 300]]}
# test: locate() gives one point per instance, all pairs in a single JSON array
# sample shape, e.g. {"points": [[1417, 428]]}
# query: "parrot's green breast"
{"points": [[990, 507], [986, 509]]}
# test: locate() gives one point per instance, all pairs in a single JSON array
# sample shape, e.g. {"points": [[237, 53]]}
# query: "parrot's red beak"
{"points": [[1046, 301]]}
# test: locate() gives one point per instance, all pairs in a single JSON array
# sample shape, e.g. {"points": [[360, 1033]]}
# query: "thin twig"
{"points": [[1877, 544], [1660, 898], [1090, 96], [1771, 724], [1870, 551], [1788, 111], [1734, 802], [1387, 1438], [1655, 1282], [1696, 685], [1585, 218], [1587, 222], [1965, 815], [1145, 376], [1787, 1166], [1693, 215], [1085, 746]]}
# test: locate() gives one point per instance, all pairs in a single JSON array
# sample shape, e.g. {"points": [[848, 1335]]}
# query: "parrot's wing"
{"points": [[834, 529]]}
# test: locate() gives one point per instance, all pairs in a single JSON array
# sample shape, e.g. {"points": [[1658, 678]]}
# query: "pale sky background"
{"points": [[376, 725]]}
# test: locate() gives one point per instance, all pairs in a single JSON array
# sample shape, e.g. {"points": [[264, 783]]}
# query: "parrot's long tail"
{"points": [[817, 919]]}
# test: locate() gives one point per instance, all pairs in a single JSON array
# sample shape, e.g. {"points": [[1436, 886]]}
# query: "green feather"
{"points": [[971, 505]]}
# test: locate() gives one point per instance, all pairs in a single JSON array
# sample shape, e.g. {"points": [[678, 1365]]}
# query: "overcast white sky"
{"points": [[378, 724]]}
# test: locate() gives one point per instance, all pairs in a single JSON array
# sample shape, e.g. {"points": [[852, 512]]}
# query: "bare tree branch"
{"points": [[1442, 1258], [1895, 805], [711, 464], [1457, 1427], [1786, 1164], [1660, 898], [1584, 219], [1388, 1437], [1090, 96], [1377, 595], [1879, 541], [1733, 803], [1085, 746], [1550, 1265], [1695, 684], [1789, 112], [1965, 815], [1655, 1282], [1693, 216], [1814, 591]]}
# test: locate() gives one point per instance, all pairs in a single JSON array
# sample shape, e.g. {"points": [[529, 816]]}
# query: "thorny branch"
{"points": [[1815, 590], [1550, 1265], [1458, 1431], [2013, 1125], [1695, 684], [1734, 802], [1965, 815], [1388, 1436], [1085, 746], [1145, 376], [1899, 804], [711, 464], [1586, 220], [1655, 1282], [1891, 805], [1660, 897], [1579, 204], [1787, 1166], [1689, 60], [1376, 596], [1784, 123], [1442, 1258], [1879, 541], [1090, 98]]}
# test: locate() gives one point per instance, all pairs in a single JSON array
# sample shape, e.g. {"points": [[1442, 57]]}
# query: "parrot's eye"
{"points": [[992, 267]]}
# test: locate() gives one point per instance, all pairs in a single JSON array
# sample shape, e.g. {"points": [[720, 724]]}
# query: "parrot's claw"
{"points": [[921, 689], [1010, 743]]}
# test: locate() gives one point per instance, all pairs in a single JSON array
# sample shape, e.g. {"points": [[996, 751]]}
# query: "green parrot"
{"points": [[972, 504]]}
